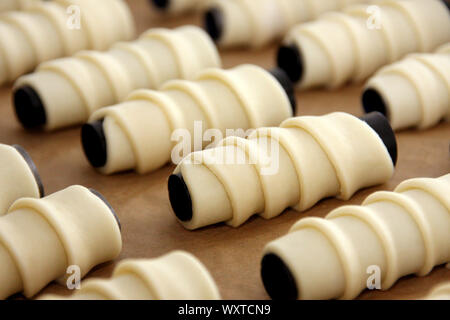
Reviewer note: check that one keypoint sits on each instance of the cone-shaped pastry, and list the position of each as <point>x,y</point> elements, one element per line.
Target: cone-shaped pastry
<point>351,45</point>
<point>256,23</point>
<point>305,160</point>
<point>414,92</point>
<point>45,31</point>
<point>174,276</point>
<point>66,92</point>
<point>41,238</point>
<point>401,233</point>
<point>137,134</point>
<point>176,7</point>
<point>441,292</point>
<point>13,5</point>
<point>18,176</point>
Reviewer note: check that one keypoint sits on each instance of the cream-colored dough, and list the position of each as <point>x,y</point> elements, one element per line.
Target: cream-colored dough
<point>42,33</point>
<point>177,7</point>
<point>138,131</point>
<point>258,22</point>
<point>174,276</point>
<point>401,232</point>
<point>12,5</point>
<point>73,88</point>
<point>319,157</point>
<point>41,238</point>
<point>340,47</point>
<point>441,292</point>
<point>16,177</point>
<point>416,90</point>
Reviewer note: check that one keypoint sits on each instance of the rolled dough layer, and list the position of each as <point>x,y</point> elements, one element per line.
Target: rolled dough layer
<point>138,132</point>
<point>305,160</point>
<point>258,22</point>
<point>176,7</point>
<point>14,5</point>
<point>42,32</point>
<point>351,45</point>
<point>414,92</point>
<point>441,292</point>
<point>18,176</point>
<point>41,238</point>
<point>399,233</point>
<point>67,91</point>
<point>174,276</point>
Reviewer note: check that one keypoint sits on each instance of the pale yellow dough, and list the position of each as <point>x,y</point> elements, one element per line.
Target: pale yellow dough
<point>256,23</point>
<point>73,88</point>
<point>13,5</point>
<point>177,7</point>
<point>174,276</point>
<point>401,232</point>
<point>138,131</point>
<point>348,46</point>
<point>16,177</point>
<point>319,157</point>
<point>41,33</point>
<point>440,292</point>
<point>416,90</point>
<point>41,238</point>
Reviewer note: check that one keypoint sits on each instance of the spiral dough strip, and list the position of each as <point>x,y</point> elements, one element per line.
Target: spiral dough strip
<point>138,132</point>
<point>174,276</point>
<point>399,233</point>
<point>258,22</point>
<point>41,238</point>
<point>414,92</point>
<point>312,158</point>
<point>14,5</point>
<point>441,292</point>
<point>66,92</point>
<point>18,176</point>
<point>353,44</point>
<point>43,32</point>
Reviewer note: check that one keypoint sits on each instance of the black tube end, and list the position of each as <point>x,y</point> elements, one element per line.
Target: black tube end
<point>372,101</point>
<point>289,58</point>
<point>278,279</point>
<point>214,23</point>
<point>380,124</point>
<point>30,110</point>
<point>101,197</point>
<point>180,197</point>
<point>94,143</point>
<point>447,3</point>
<point>287,85</point>
<point>161,4</point>
<point>33,168</point>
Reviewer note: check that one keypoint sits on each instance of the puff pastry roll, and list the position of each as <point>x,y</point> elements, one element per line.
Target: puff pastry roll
<point>353,44</point>
<point>14,5</point>
<point>138,133</point>
<point>441,292</point>
<point>18,176</point>
<point>399,233</point>
<point>41,238</point>
<point>305,160</point>
<point>175,7</point>
<point>255,23</point>
<point>414,92</point>
<point>47,31</point>
<point>67,91</point>
<point>174,276</point>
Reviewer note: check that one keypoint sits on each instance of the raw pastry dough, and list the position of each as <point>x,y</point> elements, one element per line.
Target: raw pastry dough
<point>67,91</point>
<point>174,276</point>
<point>441,292</point>
<point>400,232</point>
<point>18,176</point>
<point>414,92</point>
<point>258,22</point>
<point>178,6</point>
<point>352,45</point>
<point>42,32</point>
<point>12,5</point>
<point>41,238</point>
<point>318,157</point>
<point>136,134</point>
